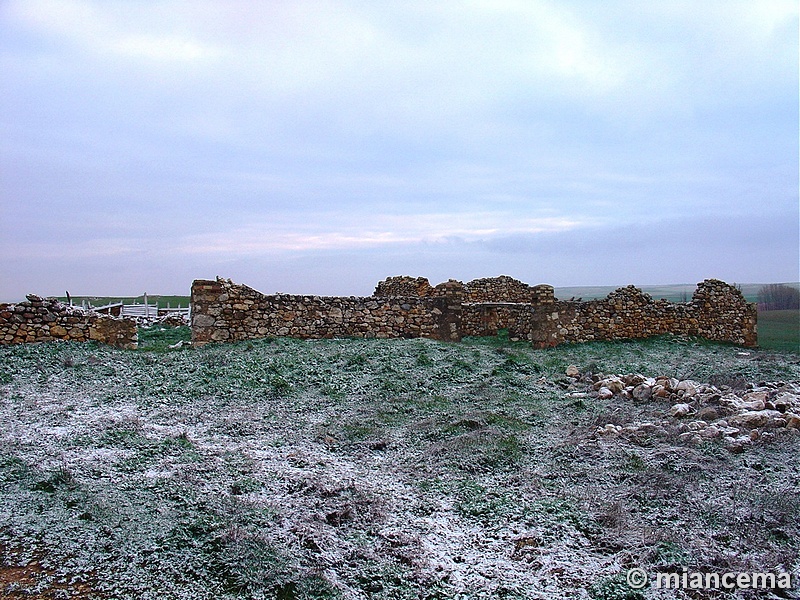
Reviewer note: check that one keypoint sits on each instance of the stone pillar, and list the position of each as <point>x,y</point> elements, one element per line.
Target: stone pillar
<point>205,298</point>
<point>449,297</point>
<point>542,294</point>
<point>489,320</point>
<point>544,325</point>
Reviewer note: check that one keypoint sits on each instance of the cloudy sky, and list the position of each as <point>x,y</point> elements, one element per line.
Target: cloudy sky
<point>317,147</point>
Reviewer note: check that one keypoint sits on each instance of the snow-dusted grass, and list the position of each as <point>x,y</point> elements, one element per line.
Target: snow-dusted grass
<point>372,469</point>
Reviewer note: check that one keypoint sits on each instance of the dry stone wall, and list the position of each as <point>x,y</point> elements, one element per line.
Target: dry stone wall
<point>717,311</point>
<point>490,289</point>
<point>46,319</point>
<point>507,289</point>
<point>411,307</point>
<point>403,286</point>
<point>223,311</point>
<point>418,287</point>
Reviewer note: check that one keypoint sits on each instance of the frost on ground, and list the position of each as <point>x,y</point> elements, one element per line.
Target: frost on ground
<point>381,469</point>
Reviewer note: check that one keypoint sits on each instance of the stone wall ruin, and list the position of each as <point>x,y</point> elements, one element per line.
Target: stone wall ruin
<point>223,311</point>
<point>410,307</point>
<point>717,312</point>
<point>47,319</point>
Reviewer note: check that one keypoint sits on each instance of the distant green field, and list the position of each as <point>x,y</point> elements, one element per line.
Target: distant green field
<point>779,330</point>
<point>678,292</point>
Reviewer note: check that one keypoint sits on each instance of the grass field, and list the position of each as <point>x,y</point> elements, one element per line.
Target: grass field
<point>386,469</point>
<point>779,330</point>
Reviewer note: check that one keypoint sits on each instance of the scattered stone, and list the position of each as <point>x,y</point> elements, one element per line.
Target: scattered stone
<point>668,383</point>
<point>739,444</point>
<point>609,429</point>
<point>660,391</point>
<point>708,414</point>
<point>759,396</point>
<point>604,393</point>
<point>687,387</point>
<point>572,371</point>
<point>680,410</point>
<point>739,418</point>
<point>642,392</point>
<point>634,379</point>
<point>751,405</point>
<point>786,402</point>
<point>755,418</point>
<point>690,438</point>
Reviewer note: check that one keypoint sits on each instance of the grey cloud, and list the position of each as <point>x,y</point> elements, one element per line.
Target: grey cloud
<point>135,128</point>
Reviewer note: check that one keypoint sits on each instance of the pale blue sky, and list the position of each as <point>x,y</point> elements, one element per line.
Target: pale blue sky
<point>317,147</point>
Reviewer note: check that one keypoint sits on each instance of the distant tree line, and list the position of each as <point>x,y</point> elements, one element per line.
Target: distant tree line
<point>777,296</point>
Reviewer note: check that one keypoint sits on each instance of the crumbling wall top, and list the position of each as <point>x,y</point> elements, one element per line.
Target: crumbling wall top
<point>403,285</point>
<point>488,289</point>
<point>716,292</point>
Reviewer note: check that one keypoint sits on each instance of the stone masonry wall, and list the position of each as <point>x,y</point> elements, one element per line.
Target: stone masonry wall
<point>717,311</point>
<point>46,319</point>
<point>223,311</point>
<point>490,289</point>
<point>411,307</point>
<point>403,285</point>
<point>506,289</point>
<point>417,287</point>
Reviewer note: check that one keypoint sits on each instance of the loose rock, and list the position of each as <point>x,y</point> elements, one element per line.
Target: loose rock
<point>680,410</point>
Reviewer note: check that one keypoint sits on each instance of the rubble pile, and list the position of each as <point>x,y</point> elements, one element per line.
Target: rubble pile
<point>697,412</point>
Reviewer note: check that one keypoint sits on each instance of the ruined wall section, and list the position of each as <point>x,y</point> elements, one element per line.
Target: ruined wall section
<point>507,289</point>
<point>403,285</point>
<point>223,311</point>
<point>490,289</point>
<point>486,318</point>
<point>626,313</point>
<point>723,314</point>
<point>46,319</point>
<point>718,312</point>
<point>531,322</point>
